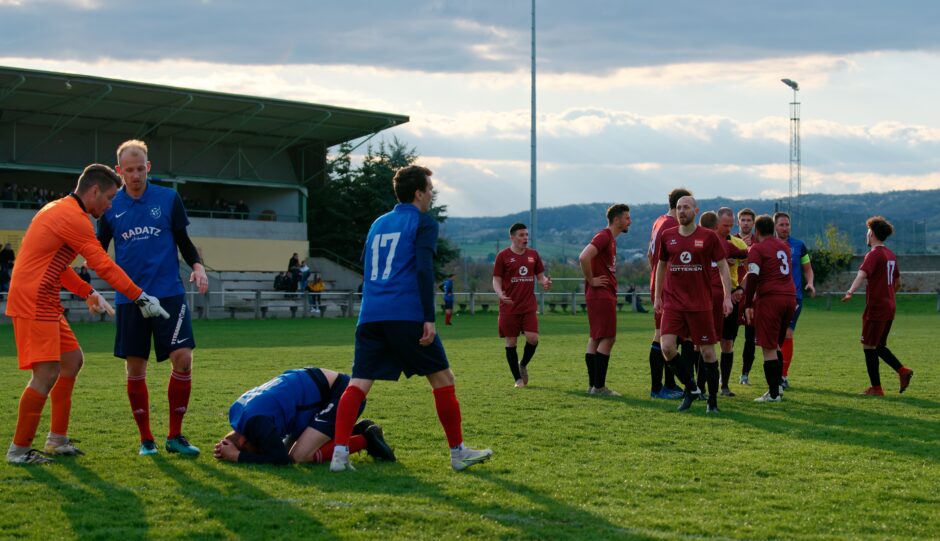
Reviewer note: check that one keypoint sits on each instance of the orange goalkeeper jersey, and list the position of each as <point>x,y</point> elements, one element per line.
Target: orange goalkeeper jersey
<point>58,232</point>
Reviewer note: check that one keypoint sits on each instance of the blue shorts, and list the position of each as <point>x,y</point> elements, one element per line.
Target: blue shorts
<point>134,331</point>
<point>325,420</point>
<point>448,303</point>
<point>796,314</point>
<point>386,349</point>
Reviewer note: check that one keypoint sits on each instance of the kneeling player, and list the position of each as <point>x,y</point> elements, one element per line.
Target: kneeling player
<point>769,300</point>
<point>299,406</point>
<point>880,268</point>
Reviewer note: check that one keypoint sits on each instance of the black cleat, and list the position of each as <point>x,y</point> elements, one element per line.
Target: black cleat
<point>687,400</point>
<point>361,427</point>
<point>375,444</point>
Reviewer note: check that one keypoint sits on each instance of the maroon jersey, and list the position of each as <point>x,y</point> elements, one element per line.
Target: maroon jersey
<point>713,272</point>
<point>770,263</point>
<point>661,224</point>
<point>603,264</point>
<point>881,266</point>
<point>742,269</point>
<point>518,273</point>
<point>688,266</point>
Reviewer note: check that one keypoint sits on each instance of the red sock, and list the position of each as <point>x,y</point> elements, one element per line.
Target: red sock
<point>346,414</point>
<point>139,398</point>
<point>61,397</point>
<point>447,318</point>
<point>31,405</point>
<point>325,454</point>
<point>448,411</point>
<point>787,350</point>
<point>178,391</point>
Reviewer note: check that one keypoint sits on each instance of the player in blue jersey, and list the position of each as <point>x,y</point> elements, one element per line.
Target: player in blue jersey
<point>148,226</point>
<point>447,287</point>
<point>802,279</point>
<point>396,332</point>
<point>291,419</point>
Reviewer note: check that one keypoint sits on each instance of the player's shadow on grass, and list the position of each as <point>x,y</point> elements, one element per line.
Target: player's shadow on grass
<point>893,396</point>
<point>117,511</point>
<point>545,518</point>
<point>828,423</point>
<point>242,508</point>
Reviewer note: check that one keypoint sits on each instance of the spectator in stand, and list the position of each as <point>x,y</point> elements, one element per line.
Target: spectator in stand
<point>7,257</point>
<point>83,272</point>
<point>8,195</point>
<point>242,209</point>
<point>281,281</point>
<point>315,289</point>
<point>304,275</point>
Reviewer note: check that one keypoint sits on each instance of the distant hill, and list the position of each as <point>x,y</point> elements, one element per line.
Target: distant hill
<point>563,231</point>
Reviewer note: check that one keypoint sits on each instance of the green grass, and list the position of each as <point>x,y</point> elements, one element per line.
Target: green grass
<point>824,464</point>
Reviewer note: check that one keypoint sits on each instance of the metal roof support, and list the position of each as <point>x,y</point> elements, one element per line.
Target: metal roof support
<point>13,88</point>
<point>287,145</point>
<point>56,129</point>
<point>145,132</point>
<point>258,108</point>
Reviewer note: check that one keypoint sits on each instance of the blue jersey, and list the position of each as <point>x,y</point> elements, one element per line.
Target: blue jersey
<point>396,242</point>
<point>290,401</point>
<point>144,246</point>
<point>800,256</point>
<point>448,288</point>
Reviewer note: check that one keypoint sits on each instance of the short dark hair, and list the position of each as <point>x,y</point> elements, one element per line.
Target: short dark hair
<point>616,210</point>
<point>781,214</point>
<point>516,227</point>
<point>676,195</point>
<point>746,212</point>
<point>408,180</point>
<point>708,220</point>
<point>98,175</point>
<point>764,225</point>
<point>880,227</point>
<point>725,211</point>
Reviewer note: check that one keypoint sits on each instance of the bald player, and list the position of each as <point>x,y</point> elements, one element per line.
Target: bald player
<point>685,297</point>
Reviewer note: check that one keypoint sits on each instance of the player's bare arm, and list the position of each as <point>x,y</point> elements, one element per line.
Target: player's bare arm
<point>498,289</point>
<point>810,278</point>
<point>725,273</point>
<point>200,278</point>
<point>660,277</point>
<point>430,331</point>
<point>856,283</point>
<point>546,281</point>
<point>587,254</point>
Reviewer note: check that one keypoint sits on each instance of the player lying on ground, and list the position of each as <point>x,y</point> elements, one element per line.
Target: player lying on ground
<point>297,407</point>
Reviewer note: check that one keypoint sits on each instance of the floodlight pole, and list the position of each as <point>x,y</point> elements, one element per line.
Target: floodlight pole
<point>533,203</point>
<point>796,165</point>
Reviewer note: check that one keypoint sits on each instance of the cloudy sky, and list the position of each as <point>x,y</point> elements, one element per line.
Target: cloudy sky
<point>634,98</point>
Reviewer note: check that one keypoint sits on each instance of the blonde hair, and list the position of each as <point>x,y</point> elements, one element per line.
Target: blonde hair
<point>131,143</point>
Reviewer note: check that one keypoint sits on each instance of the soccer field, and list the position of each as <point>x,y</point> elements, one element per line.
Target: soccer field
<point>824,464</point>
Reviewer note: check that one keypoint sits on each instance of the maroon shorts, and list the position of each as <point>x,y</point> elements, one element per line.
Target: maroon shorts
<point>772,316</point>
<point>875,333</point>
<point>602,317</point>
<point>696,326</point>
<point>718,312</point>
<point>515,324</point>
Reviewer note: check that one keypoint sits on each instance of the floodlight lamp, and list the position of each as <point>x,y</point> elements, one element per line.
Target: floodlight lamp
<point>791,83</point>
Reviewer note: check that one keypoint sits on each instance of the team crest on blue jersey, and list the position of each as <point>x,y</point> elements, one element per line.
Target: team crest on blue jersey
<point>155,213</point>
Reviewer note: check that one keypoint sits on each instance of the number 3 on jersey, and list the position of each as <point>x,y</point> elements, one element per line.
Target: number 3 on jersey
<point>378,242</point>
<point>784,264</point>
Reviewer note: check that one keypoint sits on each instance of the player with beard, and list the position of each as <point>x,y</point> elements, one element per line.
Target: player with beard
<point>598,264</point>
<point>802,273</point>
<point>746,219</point>
<point>514,274</point>
<point>685,300</point>
<point>769,300</point>
<point>880,268</point>
<point>737,259</point>
<point>657,373</point>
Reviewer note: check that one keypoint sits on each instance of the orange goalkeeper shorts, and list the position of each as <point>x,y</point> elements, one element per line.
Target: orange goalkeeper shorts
<point>42,341</point>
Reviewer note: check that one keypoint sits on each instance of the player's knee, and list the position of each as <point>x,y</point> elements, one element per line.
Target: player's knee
<point>532,339</point>
<point>182,360</point>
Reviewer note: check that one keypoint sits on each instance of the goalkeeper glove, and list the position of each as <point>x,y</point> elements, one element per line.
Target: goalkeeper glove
<point>150,306</point>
